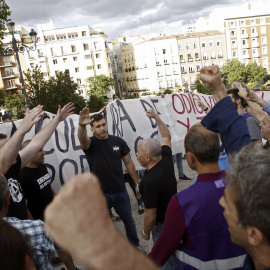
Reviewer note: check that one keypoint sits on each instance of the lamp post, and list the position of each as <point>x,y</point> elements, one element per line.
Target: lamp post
<point>15,47</point>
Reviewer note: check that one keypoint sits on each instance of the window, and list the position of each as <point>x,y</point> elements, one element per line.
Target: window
<point>180,47</point>
<point>61,37</point>
<point>188,46</point>
<point>54,61</point>
<point>234,53</point>
<point>99,66</point>
<point>56,72</point>
<point>233,43</point>
<point>244,52</point>
<point>64,60</point>
<point>73,35</point>
<point>262,20</point>
<point>232,24</point>
<point>195,45</point>
<point>64,50</point>
<point>97,55</point>
<point>253,30</point>
<point>75,58</point>
<point>263,40</point>
<point>89,67</point>
<point>85,46</point>
<point>107,54</point>
<point>79,81</point>
<point>84,33</point>
<point>205,56</point>
<point>252,21</point>
<point>263,29</point>
<point>52,52</point>
<point>206,64</point>
<point>164,51</point>
<point>265,61</point>
<point>211,44</point>
<point>256,60</point>
<point>109,65</point>
<point>233,33</point>
<point>203,45</point>
<point>218,43</point>
<point>73,48</point>
<point>264,50</point>
<point>198,67</point>
<point>77,69</point>
<point>190,68</point>
<point>87,56</point>
<point>244,41</point>
<point>242,23</point>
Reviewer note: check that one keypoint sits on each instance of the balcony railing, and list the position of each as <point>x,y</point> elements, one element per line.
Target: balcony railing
<point>220,56</point>
<point>8,75</point>
<point>190,59</point>
<point>255,45</point>
<point>244,36</point>
<point>182,61</point>
<point>256,55</point>
<point>246,46</point>
<point>254,34</point>
<point>213,57</point>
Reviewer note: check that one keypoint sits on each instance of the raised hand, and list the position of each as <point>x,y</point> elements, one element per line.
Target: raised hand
<point>201,104</point>
<point>151,113</point>
<point>84,117</point>
<point>212,79</point>
<point>31,118</point>
<point>64,112</point>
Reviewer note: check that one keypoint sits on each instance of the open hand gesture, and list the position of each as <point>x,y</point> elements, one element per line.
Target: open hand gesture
<point>31,118</point>
<point>67,110</point>
<point>84,117</point>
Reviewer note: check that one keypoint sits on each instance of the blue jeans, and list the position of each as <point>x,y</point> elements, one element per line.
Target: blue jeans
<point>121,204</point>
<point>128,179</point>
<point>171,263</point>
<point>178,159</point>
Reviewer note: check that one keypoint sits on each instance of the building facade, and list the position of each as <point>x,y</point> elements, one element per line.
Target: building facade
<point>81,50</point>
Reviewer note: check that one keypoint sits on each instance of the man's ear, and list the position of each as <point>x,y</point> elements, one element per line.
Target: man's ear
<point>238,101</point>
<point>191,157</point>
<point>255,236</point>
<point>92,130</point>
<point>7,199</point>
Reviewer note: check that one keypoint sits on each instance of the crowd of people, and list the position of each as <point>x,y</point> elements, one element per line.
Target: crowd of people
<point>222,221</point>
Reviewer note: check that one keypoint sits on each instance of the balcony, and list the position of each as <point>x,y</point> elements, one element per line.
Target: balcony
<point>12,87</point>
<point>197,59</point>
<point>255,45</point>
<point>246,56</point>
<point>126,70</point>
<point>133,68</point>
<point>182,61</point>
<point>176,73</point>
<point>254,35</point>
<point>8,75</point>
<point>205,58</point>
<point>158,64</point>
<point>256,55</point>
<point>213,57</point>
<point>244,36</point>
<point>6,64</point>
<point>184,72</point>
<point>246,46</point>
<point>127,79</point>
<point>220,56</point>
<point>190,59</point>
<point>191,71</point>
<point>129,69</point>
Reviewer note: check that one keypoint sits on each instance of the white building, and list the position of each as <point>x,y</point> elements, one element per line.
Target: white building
<point>82,50</point>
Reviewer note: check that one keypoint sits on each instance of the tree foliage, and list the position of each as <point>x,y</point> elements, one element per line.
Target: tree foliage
<point>95,103</point>
<point>234,70</point>
<point>2,96</point>
<point>4,14</point>
<point>201,88</point>
<point>15,104</point>
<point>99,85</point>
<point>56,91</point>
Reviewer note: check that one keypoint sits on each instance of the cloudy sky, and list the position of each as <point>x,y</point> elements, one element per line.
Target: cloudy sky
<point>117,17</point>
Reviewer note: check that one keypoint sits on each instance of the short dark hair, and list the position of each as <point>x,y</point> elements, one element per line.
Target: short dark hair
<point>203,143</point>
<point>3,136</point>
<point>3,190</point>
<point>248,175</point>
<point>14,247</point>
<point>97,117</point>
<point>235,95</point>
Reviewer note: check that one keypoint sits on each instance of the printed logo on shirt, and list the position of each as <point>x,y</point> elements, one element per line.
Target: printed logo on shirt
<point>116,148</point>
<point>44,181</point>
<point>15,190</point>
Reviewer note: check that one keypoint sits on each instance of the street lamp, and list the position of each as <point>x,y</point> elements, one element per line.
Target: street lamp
<point>16,46</point>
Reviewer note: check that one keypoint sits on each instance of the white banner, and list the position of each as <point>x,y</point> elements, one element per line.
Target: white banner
<point>126,119</point>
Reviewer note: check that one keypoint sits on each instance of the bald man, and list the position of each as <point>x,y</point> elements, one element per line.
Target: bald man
<point>158,184</point>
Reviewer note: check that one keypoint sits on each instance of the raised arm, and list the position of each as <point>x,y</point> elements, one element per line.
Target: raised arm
<point>79,203</point>
<point>40,139</point>
<point>10,149</point>
<point>164,131</point>
<point>84,120</point>
<point>223,118</point>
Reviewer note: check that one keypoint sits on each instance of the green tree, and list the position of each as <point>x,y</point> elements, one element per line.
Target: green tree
<point>4,14</point>
<point>233,70</point>
<point>95,103</point>
<point>255,73</point>
<point>15,105</point>
<point>99,85</point>
<point>201,88</point>
<point>56,91</point>
<point>2,96</point>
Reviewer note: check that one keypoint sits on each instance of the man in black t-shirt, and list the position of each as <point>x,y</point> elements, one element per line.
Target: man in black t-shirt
<point>9,155</point>
<point>105,154</point>
<point>158,184</point>
<point>36,184</point>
